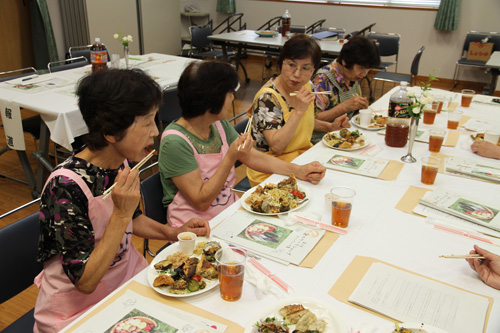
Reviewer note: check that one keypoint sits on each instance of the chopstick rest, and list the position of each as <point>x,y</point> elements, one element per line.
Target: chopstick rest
<point>107,193</point>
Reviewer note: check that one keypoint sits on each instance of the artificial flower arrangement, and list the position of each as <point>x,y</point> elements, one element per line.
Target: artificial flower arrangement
<point>418,103</point>
<point>124,40</point>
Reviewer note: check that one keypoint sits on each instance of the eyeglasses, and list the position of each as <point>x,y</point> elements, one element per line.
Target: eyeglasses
<point>292,67</point>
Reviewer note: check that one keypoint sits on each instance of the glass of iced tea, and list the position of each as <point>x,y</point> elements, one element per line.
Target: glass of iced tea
<point>454,119</point>
<point>440,102</point>
<point>342,198</point>
<point>231,269</point>
<point>430,167</point>
<point>436,138</point>
<point>430,111</point>
<point>467,95</point>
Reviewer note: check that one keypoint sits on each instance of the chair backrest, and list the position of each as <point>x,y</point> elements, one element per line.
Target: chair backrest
<point>199,36</point>
<point>57,66</point>
<point>270,23</point>
<point>82,51</point>
<point>152,195</point>
<point>313,27</point>
<point>388,43</point>
<point>416,62</point>
<point>170,109</point>
<point>17,73</point>
<point>475,36</point>
<point>18,253</point>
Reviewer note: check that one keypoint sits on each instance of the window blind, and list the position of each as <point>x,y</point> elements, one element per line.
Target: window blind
<point>409,3</point>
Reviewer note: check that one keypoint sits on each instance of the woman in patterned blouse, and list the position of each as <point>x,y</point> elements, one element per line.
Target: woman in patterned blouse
<point>85,240</point>
<point>342,78</point>
<point>283,109</point>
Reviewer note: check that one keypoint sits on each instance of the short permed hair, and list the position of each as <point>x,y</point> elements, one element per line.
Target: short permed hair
<point>203,87</point>
<point>360,51</point>
<point>111,99</point>
<point>300,46</point>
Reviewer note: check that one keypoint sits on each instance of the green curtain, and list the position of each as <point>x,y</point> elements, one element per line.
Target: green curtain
<point>226,6</point>
<point>44,43</point>
<point>447,16</point>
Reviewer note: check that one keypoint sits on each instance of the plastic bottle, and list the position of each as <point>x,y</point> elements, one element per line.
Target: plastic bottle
<point>98,56</point>
<point>286,20</point>
<point>398,123</point>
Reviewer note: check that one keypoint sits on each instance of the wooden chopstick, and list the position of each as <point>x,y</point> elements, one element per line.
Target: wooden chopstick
<point>314,92</point>
<point>107,193</point>
<point>248,129</point>
<point>463,256</point>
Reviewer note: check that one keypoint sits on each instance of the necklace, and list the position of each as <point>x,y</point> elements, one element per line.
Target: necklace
<point>204,137</point>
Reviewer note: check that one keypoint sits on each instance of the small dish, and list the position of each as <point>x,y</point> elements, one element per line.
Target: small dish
<point>266,33</point>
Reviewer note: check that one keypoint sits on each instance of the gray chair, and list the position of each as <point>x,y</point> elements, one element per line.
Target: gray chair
<point>395,77</point>
<point>62,65</point>
<point>388,46</point>
<point>18,254</point>
<point>31,125</point>
<point>152,195</point>
<point>170,109</point>
<point>201,46</point>
<point>474,36</point>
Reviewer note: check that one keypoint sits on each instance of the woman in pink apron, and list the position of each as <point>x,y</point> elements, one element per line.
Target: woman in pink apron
<point>199,150</point>
<point>86,240</point>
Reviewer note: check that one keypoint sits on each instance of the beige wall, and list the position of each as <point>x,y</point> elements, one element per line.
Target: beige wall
<point>415,26</point>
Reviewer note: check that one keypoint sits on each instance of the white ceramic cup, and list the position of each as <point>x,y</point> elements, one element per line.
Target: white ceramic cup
<point>492,136</point>
<point>187,241</point>
<point>115,61</point>
<point>365,117</point>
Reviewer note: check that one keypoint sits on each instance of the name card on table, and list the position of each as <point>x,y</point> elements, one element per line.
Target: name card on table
<point>13,126</point>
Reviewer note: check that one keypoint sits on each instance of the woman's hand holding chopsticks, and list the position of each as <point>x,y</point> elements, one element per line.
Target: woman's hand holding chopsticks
<point>488,268</point>
<point>126,193</point>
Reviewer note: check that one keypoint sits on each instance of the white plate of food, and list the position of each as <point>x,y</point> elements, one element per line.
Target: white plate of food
<point>377,122</point>
<point>413,328</point>
<point>175,280</point>
<point>310,313</point>
<point>274,199</point>
<point>345,140</point>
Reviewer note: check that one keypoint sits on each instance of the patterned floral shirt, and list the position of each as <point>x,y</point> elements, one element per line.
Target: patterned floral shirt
<point>267,114</point>
<point>65,227</point>
<point>322,83</point>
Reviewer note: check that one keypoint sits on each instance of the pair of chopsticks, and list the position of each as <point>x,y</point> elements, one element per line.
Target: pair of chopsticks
<point>107,193</point>
<point>279,282</point>
<point>318,224</point>
<point>463,256</point>
<point>314,92</point>
<point>248,129</point>
<point>465,234</point>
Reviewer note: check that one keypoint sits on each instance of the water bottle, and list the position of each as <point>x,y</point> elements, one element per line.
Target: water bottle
<point>398,123</point>
<point>285,23</point>
<point>98,56</point>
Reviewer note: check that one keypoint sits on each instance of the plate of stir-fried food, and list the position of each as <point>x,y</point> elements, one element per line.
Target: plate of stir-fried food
<point>297,315</point>
<point>345,140</point>
<point>176,274</point>
<point>272,199</point>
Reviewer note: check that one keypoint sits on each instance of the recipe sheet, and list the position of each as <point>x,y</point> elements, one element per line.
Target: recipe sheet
<point>353,163</point>
<point>472,169</point>
<point>132,309</point>
<point>269,236</point>
<point>408,297</point>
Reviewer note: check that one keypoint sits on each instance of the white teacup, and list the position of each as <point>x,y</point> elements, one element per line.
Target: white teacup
<point>365,117</point>
<point>187,241</point>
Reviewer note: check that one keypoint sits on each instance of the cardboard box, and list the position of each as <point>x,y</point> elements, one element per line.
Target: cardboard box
<point>479,51</point>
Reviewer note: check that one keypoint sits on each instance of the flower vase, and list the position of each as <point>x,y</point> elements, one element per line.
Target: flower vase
<point>125,50</point>
<point>408,158</point>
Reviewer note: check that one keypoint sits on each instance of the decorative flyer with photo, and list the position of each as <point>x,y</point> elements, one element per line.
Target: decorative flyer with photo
<point>353,163</point>
<point>269,236</point>
<point>472,169</point>
<point>474,210</point>
<point>132,312</point>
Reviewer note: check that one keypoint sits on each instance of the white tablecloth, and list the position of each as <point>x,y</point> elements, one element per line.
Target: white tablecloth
<point>376,230</point>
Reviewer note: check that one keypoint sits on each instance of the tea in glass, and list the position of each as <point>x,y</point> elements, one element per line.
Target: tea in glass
<point>342,198</point>
<point>467,96</point>
<point>429,116</point>
<point>231,269</point>
<point>430,167</point>
<point>436,138</point>
<point>454,118</point>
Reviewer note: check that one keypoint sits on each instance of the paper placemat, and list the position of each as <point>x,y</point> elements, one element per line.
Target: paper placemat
<point>451,139</point>
<point>170,301</point>
<point>392,170</point>
<point>463,120</point>
<point>410,199</point>
<point>440,157</point>
<point>354,273</point>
